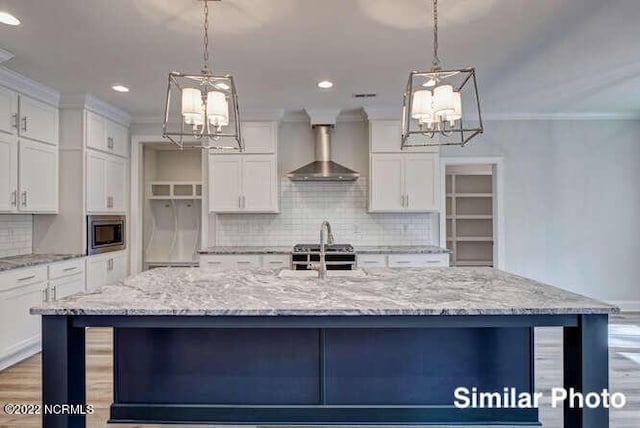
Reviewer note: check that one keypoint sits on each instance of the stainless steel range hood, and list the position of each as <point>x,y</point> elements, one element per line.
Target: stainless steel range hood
<point>323,168</point>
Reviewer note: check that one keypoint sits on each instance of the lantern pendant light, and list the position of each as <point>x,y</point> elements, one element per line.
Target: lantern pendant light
<point>208,105</point>
<point>440,107</point>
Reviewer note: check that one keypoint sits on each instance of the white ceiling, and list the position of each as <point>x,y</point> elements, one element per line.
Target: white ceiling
<point>532,56</point>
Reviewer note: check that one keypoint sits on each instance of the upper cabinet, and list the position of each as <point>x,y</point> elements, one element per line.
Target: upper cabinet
<point>243,184</point>
<point>401,180</point>
<point>106,183</point>
<point>106,135</point>
<point>38,121</point>
<point>385,136</point>
<point>404,183</point>
<point>260,137</point>
<point>28,154</point>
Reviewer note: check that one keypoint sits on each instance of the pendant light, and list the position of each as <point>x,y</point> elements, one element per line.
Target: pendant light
<point>440,107</point>
<point>208,106</point>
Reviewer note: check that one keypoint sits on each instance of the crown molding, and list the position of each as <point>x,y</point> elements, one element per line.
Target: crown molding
<point>5,55</point>
<point>301,116</point>
<point>24,85</point>
<point>562,116</point>
<point>96,105</point>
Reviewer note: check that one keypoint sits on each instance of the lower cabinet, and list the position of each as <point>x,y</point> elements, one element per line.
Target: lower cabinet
<point>244,261</point>
<point>402,260</point>
<point>105,269</point>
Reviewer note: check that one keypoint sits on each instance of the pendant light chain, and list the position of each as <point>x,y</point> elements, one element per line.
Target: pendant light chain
<point>436,59</point>
<point>206,36</point>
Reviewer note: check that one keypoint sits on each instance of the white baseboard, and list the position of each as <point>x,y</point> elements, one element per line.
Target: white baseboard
<point>626,305</point>
<point>23,354</point>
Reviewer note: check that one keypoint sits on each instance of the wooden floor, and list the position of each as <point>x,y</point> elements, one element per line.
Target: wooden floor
<point>21,383</point>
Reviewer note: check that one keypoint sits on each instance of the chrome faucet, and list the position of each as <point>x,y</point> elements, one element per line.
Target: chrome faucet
<point>322,266</point>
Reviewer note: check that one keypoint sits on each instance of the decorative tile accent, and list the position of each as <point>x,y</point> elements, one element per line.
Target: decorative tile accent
<point>303,207</point>
<point>16,234</point>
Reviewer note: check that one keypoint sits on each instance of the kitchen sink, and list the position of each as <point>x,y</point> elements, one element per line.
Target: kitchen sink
<point>288,273</point>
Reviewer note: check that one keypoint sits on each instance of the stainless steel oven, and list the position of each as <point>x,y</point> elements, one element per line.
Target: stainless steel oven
<point>105,233</point>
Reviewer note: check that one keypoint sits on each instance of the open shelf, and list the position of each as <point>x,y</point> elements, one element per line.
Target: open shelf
<point>168,190</point>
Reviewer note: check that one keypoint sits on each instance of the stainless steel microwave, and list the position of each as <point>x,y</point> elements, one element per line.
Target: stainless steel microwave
<point>105,233</point>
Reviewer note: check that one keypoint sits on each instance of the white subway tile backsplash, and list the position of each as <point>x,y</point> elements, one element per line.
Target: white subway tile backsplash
<point>303,206</point>
<point>16,234</point>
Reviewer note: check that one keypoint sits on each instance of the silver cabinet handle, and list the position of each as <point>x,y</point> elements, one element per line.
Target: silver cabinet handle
<point>14,198</point>
<point>407,199</point>
<point>45,294</point>
<point>16,121</point>
<point>24,198</point>
<point>26,278</point>
<point>110,264</point>
<point>110,144</point>
<point>239,201</point>
<point>403,262</point>
<point>69,269</point>
<point>273,262</point>
<point>243,262</point>
<point>402,200</point>
<point>24,124</point>
<point>54,293</point>
<point>433,262</point>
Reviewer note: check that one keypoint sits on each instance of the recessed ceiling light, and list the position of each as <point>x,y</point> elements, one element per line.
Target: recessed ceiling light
<point>7,18</point>
<point>222,86</point>
<point>120,88</point>
<point>325,84</point>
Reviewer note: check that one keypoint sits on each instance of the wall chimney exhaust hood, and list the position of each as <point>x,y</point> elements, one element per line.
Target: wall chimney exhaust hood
<point>323,168</point>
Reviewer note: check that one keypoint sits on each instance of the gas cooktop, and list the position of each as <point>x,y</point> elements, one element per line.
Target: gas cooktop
<point>315,248</point>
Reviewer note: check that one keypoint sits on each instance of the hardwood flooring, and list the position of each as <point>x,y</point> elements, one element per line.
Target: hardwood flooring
<point>21,383</point>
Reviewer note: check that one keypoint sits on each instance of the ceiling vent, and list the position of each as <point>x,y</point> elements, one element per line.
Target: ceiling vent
<point>365,95</point>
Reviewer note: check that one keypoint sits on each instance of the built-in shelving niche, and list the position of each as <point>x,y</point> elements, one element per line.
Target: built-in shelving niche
<point>173,206</point>
<point>469,205</point>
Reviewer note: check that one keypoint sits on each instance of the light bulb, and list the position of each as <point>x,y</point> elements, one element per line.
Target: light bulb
<point>421,106</point>
<point>443,100</point>
<point>192,106</point>
<point>217,109</point>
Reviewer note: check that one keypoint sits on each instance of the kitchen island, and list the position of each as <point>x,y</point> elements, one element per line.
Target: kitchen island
<point>388,347</point>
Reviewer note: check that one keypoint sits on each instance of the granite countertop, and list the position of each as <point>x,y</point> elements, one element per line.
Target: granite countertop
<point>248,250</point>
<point>260,292</point>
<point>16,262</point>
<point>400,249</point>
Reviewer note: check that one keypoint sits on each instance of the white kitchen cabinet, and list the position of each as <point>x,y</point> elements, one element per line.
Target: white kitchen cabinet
<point>38,177</point>
<point>65,287</point>
<point>385,136</point>
<point>106,183</point>
<point>8,111</point>
<point>106,135</point>
<point>38,121</point>
<point>243,184</point>
<point>404,182</point>
<point>8,173</point>
<point>418,260</point>
<point>260,137</point>
<point>20,289</point>
<point>105,269</point>
<point>219,262</point>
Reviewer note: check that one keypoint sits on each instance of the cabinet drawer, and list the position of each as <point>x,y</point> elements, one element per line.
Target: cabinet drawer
<point>65,287</point>
<point>236,261</point>
<point>62,269</point>
<point>22,277</point>
<point>276,261</point>
<point>418,260</point>
<point>372,260</point>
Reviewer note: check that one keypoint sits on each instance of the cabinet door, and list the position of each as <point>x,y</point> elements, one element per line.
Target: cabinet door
<point>421,182</point>
<point>386,183</point>
<point>260,137</point>
<point>117,268</point>
<point>225,183</point>
<point>8,111</point>
<point>38,177</point>
<point>385,136</point>
<point>96,271</point>
<point>96,131</point>
<point>259,184</point>
<point>65,287</point>
<point>96,182</point>
<point>18,328</point>
<point>117,139</point>
<point>38,121</point>
<point>8,173</point>
<point>117,184</point>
